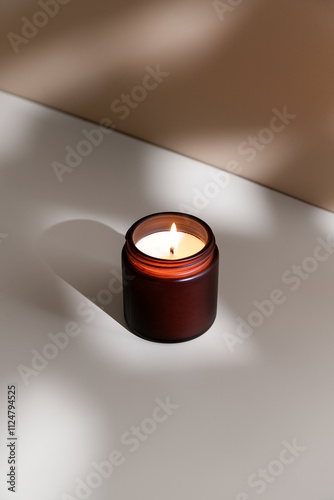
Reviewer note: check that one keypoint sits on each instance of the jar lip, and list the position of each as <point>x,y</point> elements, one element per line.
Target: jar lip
<point>199,224</point>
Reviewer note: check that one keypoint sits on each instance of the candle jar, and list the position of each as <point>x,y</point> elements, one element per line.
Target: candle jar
<point>170,300</point>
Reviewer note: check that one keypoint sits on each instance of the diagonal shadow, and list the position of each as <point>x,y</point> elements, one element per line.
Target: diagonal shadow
<point>86,254</point>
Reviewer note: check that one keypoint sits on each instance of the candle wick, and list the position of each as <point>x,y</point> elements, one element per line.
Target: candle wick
<point>172,250</point>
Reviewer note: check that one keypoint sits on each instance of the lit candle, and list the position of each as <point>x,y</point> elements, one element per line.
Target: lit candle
<point>170,245</point>
<point>170,275</point>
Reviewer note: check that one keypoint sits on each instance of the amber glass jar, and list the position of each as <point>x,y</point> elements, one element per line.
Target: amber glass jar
<point>170,300</point>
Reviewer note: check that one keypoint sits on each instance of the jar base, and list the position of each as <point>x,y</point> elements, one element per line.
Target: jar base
<point>167,341</point>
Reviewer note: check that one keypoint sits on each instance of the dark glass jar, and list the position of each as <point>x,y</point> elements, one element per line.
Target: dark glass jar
<point>170,300</point>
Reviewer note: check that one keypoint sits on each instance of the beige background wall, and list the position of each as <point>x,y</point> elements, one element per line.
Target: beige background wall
<point>225,66</point>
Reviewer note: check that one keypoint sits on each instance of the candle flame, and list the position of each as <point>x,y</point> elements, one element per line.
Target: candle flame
<point>173,232</point>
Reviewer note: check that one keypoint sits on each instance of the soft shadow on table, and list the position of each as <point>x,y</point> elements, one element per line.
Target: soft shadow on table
<point>87,255</point>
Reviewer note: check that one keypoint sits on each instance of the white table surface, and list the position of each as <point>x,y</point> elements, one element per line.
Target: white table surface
<point>60,242</point>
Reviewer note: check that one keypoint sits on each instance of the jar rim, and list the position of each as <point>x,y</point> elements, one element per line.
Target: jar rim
<point>175,267</point>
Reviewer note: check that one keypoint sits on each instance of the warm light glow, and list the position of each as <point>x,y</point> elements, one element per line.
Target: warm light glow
<point>170,245</point>
<point>173,232</point>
